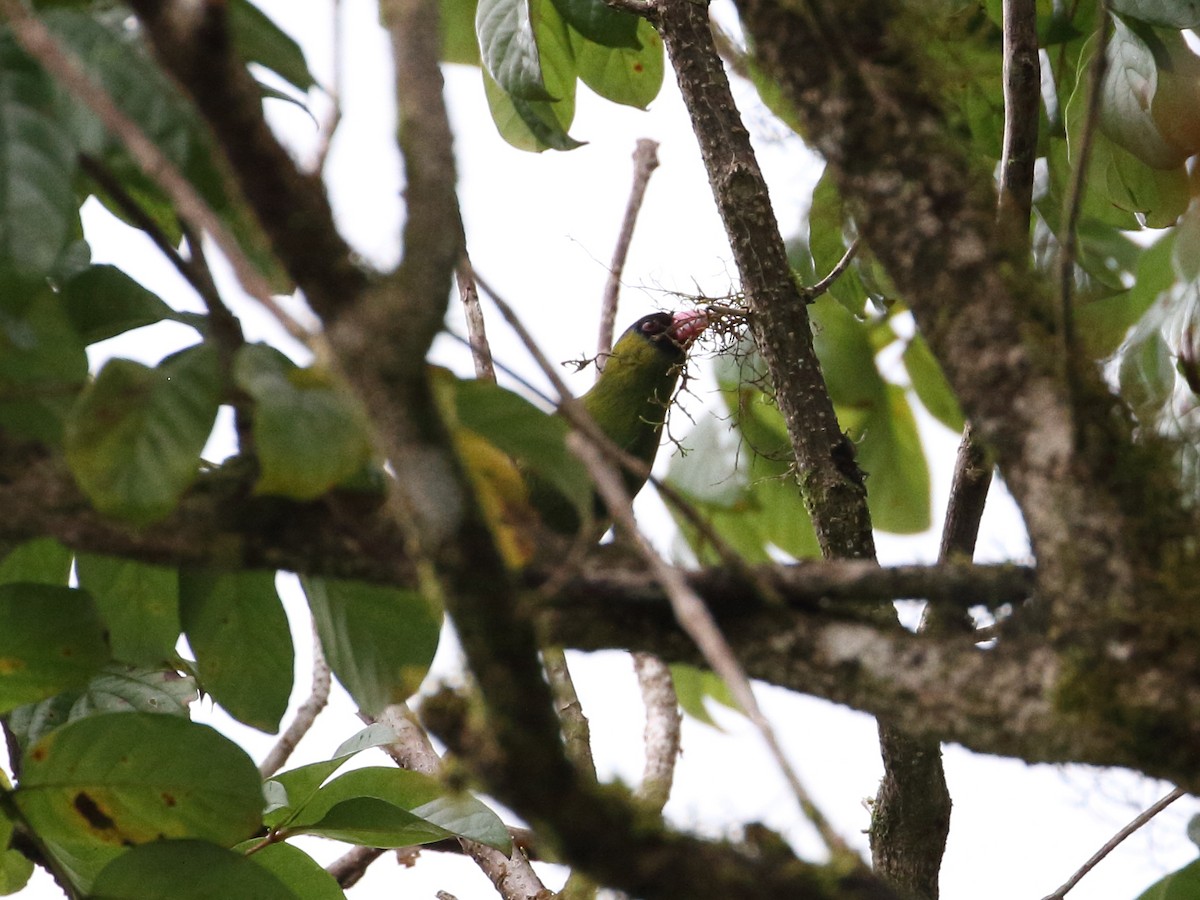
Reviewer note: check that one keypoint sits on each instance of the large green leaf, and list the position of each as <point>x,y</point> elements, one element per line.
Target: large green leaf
<point>37,167</point>
<point>1103,323</point>
<point>890,453</point>
<point>602,25</point>
<point>133,440</point>
<point>98,785</point>
<point>237,628</point>
<point>930,384</point>
<point>509,48</point>
<point>187,870</point>
<point>457,22</point>
<point>43,365</point>
<point>309,433</point>
<point>298,871</point>
<point>41,560</point>
<point>379,641</point>
<point>1182,884</point>
<point>1171,13</point>
<point>117,688</point>
<point>389,807</point>
<point>51,639</point>
<point>140,605</point>
<point>102,302</point>
<point>629,75</point>
<point>260,40</point>
<point>289,791</point>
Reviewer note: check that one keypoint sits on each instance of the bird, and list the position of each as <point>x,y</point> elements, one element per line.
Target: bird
<point>629,402</point>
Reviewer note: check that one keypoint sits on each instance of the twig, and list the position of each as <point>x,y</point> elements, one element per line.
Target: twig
<point>662,732</point>
<point>350,867</point>
<point>330,126</point>
<point>1112,843</point>
<point>514,878</point>
<point>645,161</point>
<point>477,340</point>
<point>1073,201</point>
<point>812,293</point>
<point>698,623</point>
<point>318,697</point>
<point>1022,96</point>
<point>67,68</point>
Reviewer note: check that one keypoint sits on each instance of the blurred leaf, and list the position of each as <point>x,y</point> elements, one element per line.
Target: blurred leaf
<point>117,688</point>
<point>1172,13</point>
<point>890,453</point>
<point>102,302</point>
<point>930,384</point>
<point>693,686</point>
<point>509,49</point>
<point>15,870</point>
<point>41,560</point>
<point>847,358</point>
<point>389,807</point>
<point>632,77</point>
<point>379,641</point>
<point>187,870</point>
<point>51,639</point>
<point>1103,324</point>
<point>602,25</point>
<point>1182,884</point>
<point>43,365</point>
<point>259,40</point>
<point>139,603</point>
<point>309,432</point>
<point>828,242</point>
<point>237,628</point>
<point>133,440</point>
<point>1147,376</point>
<point>531,125</point>
<point>37,167</point>
<point>98,785</point>
<point>296,870</point>
<point>457,22</point>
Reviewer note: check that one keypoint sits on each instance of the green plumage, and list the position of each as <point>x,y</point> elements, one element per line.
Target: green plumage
<point>629,402</point>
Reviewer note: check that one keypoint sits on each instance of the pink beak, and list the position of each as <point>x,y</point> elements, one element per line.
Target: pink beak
<point>688,325</point>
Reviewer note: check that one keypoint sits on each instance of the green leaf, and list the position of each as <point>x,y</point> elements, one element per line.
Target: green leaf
<point>693,686</point>
<point>117,688</point>
<point>260,40</point>
<point>1182,884</point>
<point>509,49</point>
<point>237,628</point>
<point>15,869</point>
<point>1171,13</point>
<point>890,453</point>
<point>379,641</point>
<point>828,239</point>
<point>43,365</point>
<point>297,871</point>
<point>1103,324</point>
<point>1147,376</point>
<point>291,790</point>
<point>51,639</point>
<point>309,433</point>
<point>41,560</point>
<point>187,870</point>
<point>102,302</point>
<point>389,807</point>
<point>457,22</point>
<point>37,167</point>
<point>632,76</point>
<point>532,125</point>
<point>930,384</point>
<point>847,357</point>
<point>134,438</point>
<point>602,25</point>
<point>140,605</point>
<point>518,428</point>
<point>98,785</point>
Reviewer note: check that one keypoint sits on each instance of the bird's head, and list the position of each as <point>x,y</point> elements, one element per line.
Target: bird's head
<point>671,333</point>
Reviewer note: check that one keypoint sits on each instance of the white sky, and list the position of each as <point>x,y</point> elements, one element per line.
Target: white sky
<point>540,229</point>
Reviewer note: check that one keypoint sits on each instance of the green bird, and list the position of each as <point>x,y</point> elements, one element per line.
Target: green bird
<point>629,402</point>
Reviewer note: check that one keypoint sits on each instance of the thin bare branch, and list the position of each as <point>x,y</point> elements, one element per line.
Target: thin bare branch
<point>661,735</point>
<point>305,716</point>
<point>330,126</point>
<point>696,620</point>
<point>468,293</point>
<point>1111,844</point>
<point>645,161</point>
<point>812,293</point>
